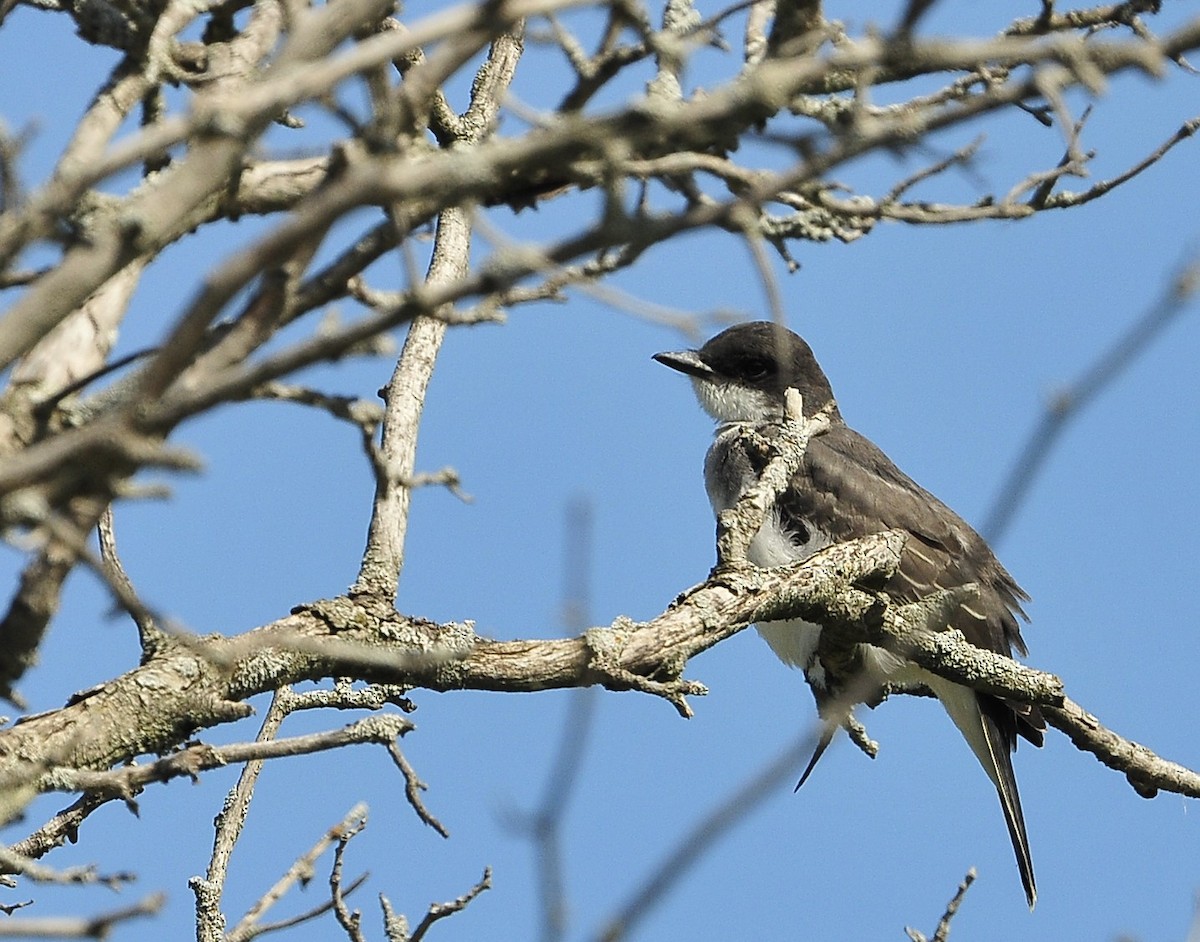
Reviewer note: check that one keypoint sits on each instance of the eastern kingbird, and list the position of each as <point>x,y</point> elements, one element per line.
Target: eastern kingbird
<point>847,488</point>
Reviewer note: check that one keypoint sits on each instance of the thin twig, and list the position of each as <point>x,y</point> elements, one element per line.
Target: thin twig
<point>126,782</point>
<point>61,828</point>
<point>413,786</point>
<point>11,862</point>
<point>301,871</point>
<point>307,916</point>
<point>942,933</point>
<point>442,910</point>
<point>351,922</point>
<point>118,579</point>
<point>694,845</point>
<point>543,826</point>
<point>1072,400</point>
<point>84,927</point>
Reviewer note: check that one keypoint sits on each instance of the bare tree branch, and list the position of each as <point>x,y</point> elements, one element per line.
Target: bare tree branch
<point>349,921</point>
<point>405,393</point>
<point>819,589</point>
<point>640,150</point>
<point>1070,401</point>
<point>86,927</point>
<point>300,872</point>
<point>943,929</point>
<point>127,782</point>
<point>442,910</point>
<point>693,846</point>
<point>544,825</point>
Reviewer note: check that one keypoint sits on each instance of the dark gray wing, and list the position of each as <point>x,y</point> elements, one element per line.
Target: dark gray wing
<point>854,489</point>
<point>847,481</point>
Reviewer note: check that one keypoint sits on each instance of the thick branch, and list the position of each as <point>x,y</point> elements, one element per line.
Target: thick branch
<point>201,684</point>
<point>509,171</point>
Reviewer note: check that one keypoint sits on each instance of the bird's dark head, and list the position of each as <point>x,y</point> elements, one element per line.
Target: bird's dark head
<point>741,374</point>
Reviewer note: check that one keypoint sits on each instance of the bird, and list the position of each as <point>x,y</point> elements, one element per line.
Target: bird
<point>847,488</point>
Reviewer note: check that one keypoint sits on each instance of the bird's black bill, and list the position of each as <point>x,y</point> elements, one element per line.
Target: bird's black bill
<point>685,361</point>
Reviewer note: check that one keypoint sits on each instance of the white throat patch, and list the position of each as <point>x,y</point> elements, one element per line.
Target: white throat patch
<point>729,402</point>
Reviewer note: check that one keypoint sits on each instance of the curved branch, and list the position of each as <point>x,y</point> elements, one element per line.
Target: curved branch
<point>202,682</point>
<point>1147,773</point>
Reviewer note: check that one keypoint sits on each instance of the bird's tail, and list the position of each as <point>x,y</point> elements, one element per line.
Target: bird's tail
<point>981,720</point>
<point>827,731</point>
<point>835,708</point>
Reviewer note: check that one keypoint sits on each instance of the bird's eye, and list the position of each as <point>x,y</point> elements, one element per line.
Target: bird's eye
<point>756,368</point>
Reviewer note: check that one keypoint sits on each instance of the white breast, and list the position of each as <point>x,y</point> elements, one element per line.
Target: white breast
<point>794,641</point>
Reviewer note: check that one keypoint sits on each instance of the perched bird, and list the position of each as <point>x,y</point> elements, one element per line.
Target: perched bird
<point>847,488</point>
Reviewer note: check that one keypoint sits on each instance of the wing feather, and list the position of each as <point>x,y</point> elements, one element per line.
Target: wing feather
<point>943,553</point>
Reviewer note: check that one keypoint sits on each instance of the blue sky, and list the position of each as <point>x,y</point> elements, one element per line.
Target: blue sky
<point>943,346</point>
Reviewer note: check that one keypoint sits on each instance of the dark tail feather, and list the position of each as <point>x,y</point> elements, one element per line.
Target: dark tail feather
<point>1001,746</point>
<point>827,731</point>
